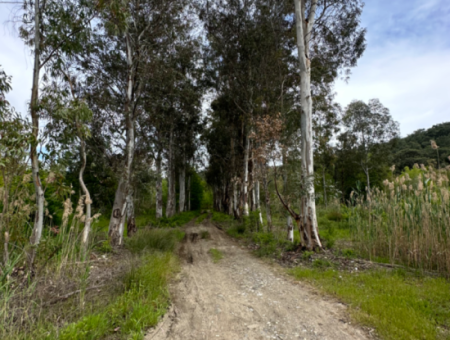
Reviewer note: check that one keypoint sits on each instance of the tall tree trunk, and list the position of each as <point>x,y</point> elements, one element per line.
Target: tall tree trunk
<point>182,202</point>
<point>258,202</point>
<point>366,170</point>
<point>245,181</point>
<point>131,220</point>
<point>87,200</point>
<point>117,221</point>
<point>235,199</point>
<point>289,225</point>
<point>267,199</point>
<point>34,107</point>
<point>170,208</point>
<point>303,29</point>
<point>159,202</point>
<point>189,195</point>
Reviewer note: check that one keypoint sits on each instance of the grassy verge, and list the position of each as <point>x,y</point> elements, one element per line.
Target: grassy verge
<point>399,305</point>
<point>132,293</point>
<point>144,300</point>
<point>216,255</point>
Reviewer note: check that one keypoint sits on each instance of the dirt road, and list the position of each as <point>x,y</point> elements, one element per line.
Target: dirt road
<point>241,297</point>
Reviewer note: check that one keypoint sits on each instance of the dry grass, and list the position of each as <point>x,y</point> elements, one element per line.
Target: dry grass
<point>408,221</point>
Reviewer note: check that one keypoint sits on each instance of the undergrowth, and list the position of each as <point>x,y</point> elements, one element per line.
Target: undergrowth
<point>398,304</point>
<point>144,300</point>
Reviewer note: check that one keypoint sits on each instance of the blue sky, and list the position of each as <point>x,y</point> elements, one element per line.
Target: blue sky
<point>406,64</point>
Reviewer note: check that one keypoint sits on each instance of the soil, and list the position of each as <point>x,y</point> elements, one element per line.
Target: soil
<point>243,297</point>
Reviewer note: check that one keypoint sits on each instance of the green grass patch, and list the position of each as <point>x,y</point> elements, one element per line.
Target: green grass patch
<point>399,305</point>
<point>221,217</point>
<point>144,300</point>
<point>216,255</point>
<point>154,239</point>
<point>201,218</point>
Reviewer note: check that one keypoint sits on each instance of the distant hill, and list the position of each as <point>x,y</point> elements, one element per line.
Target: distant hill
<point>416,148</point>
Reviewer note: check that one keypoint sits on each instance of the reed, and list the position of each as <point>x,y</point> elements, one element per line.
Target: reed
<point>407,221</point>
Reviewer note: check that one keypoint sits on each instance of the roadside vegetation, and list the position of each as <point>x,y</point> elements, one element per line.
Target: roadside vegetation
<point>385,256</point>
<point>108,292</point>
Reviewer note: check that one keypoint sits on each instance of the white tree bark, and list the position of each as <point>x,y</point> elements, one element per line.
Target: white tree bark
<point>182,180</point>
<point>290,229</point>
<point>303,29</point>
<point>159,202</point>
<point>87,200</point>
<point>39,191</point>
<point>245,182</point>
<point>258,202</point>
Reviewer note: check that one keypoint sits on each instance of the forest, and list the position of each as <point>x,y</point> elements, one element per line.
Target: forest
<point>146,117</point>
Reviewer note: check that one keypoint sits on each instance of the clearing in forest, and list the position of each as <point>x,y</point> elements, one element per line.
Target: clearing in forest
<point>241,297</point>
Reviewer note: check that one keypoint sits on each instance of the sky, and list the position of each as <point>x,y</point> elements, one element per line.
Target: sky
<point>406,63</point>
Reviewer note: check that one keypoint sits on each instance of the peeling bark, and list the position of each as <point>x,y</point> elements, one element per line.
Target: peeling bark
<point>303,30</point>
<point>131,220</point>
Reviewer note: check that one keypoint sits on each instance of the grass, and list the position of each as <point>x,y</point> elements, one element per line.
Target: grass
<point>201,218</point>
<point>399,305</point>
<point>154,239</point>
<point>124,309</point>
<point>216,255</point>
<point>144,301</point>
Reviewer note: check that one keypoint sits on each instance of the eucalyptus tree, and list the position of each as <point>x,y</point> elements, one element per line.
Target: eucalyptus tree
<point>250,62</point>
<point>129,36</point>
<point>369,129</point>
<point>328,37</point>
<point>69,117</point>
<point>51,28</point>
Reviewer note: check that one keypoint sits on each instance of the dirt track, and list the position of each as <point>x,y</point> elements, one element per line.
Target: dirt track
<point>241,297</point>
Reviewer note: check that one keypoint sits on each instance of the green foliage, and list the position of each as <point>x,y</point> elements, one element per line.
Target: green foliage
<point>321,264</point>
<point>307,255</point>
<point>398,305</point>
<point>201,218</point>
<point>416,147</point>
<point>348,253</point>
<point>197,190</point>
<point>216,255</point>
